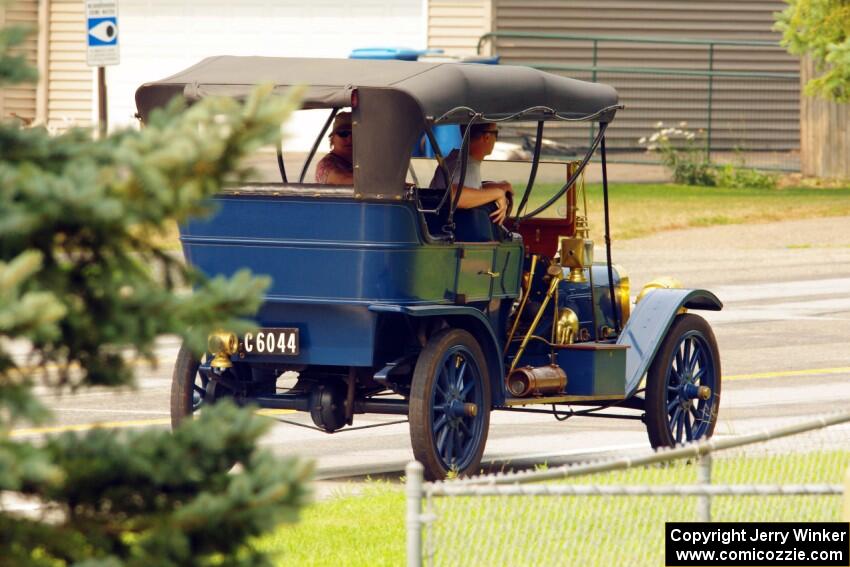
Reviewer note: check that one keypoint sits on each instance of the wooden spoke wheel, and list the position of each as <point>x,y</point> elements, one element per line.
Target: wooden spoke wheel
<point>450,405</point>
<point>683,384</point>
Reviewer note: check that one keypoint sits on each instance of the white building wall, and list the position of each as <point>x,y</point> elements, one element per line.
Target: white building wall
<point>455,26</point>
<point>161,37</point>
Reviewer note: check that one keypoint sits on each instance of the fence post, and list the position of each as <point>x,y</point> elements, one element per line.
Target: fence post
<point>414,478</point>
<point>710,100</point>
<point>846,497</point>
<point>704,479</point>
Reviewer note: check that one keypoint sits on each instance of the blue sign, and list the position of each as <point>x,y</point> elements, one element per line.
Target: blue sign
<point>103,31</point>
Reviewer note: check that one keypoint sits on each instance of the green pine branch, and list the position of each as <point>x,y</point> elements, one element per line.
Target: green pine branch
<point>85,288</point>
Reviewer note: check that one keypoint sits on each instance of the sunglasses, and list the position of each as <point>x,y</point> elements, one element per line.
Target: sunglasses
<point>343,133</point>
<point>495,133</point>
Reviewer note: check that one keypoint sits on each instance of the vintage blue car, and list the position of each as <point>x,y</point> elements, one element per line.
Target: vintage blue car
<point>389,299</point>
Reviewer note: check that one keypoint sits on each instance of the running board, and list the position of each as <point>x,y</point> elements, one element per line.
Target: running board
<point>601,400</point>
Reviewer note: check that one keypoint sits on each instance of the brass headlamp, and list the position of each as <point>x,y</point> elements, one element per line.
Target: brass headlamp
<point>664,282</point>
<point>567,327</point>
<point>222,345</point>
<point>624,290</point>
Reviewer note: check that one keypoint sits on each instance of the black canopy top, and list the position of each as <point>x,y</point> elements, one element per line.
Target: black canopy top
<point>396,100</point>
<point>446,92</point>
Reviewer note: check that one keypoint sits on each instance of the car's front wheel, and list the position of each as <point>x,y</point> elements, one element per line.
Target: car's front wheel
<point>683,384</point>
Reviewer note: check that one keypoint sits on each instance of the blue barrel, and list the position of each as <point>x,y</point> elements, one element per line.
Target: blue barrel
<point>448,138</point>
<point>482,59</point>
<point>398,53</point>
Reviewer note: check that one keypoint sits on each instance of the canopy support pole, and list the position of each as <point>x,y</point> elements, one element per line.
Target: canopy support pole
<point>615,313</point>
<point>316,145</point>
<point>441,161</point>
<point>280,164</point>
<point>441,164</point>
<point>573,177</point>
<point>464,160</point>
<point>533,175</point>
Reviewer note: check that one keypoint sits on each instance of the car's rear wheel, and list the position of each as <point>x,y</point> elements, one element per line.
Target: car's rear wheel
<point>683,384</point>
<point>190,389</point>
<point>449,409</point>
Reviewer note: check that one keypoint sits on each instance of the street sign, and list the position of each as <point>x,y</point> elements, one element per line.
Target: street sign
<point>102,32</point>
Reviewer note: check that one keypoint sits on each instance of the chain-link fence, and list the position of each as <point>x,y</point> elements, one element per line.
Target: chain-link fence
<point>613,511</point>
<point>740,99</point>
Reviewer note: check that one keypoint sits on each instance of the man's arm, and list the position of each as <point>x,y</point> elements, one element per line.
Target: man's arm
<point>472,197</point>
<point>503,185</point>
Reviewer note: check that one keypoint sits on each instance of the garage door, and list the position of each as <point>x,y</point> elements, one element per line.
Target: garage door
<point>160,37</point>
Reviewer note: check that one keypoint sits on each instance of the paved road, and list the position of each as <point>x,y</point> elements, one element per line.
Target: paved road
<point>783,337</point>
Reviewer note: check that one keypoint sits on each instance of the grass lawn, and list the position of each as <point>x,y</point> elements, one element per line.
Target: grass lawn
<point>365,529</point>
<point>641,210</point>
<point>368,529</point>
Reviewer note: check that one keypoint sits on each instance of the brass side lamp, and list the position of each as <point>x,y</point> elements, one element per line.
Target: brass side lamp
<point>222,345</point>
<point>577,251</point>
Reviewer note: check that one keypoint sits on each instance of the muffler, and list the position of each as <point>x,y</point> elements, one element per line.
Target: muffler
<point>538,381</point>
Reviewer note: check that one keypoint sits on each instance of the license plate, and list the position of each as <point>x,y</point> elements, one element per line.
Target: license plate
<point>272,341</point>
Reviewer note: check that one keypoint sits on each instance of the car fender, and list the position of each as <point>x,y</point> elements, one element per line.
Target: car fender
<point>470,319</point>
<point>649,323</point>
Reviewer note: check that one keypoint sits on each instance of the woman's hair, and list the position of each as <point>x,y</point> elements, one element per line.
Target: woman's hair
<point>343,118</point>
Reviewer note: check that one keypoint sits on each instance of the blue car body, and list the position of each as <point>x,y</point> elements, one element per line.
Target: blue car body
<point>389,298</point>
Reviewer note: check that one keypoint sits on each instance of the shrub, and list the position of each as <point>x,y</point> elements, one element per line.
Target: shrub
<point>739,177</point>
<point>681,153</point>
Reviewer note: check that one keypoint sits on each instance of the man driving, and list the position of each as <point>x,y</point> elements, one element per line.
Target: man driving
<point>482,139</point>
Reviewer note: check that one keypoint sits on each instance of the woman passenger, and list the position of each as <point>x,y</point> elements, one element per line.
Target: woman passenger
<point>336,167</point>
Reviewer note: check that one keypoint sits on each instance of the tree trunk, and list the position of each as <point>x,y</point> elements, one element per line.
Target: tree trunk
<point>824,132</point>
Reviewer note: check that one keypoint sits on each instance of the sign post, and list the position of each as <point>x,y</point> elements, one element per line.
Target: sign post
<point>102,41</point>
